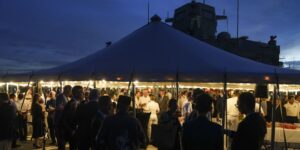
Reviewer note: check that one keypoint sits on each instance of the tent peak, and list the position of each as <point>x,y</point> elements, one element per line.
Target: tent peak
<point>155,18</point>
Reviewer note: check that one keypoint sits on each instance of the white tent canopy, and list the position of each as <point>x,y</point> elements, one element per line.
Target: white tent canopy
<point>158,52</point>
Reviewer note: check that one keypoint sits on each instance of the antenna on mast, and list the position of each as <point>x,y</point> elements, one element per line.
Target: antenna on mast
<point>237,18</point>
<point>237,22</point>
<point>224,14</point>
<point>148,7</point>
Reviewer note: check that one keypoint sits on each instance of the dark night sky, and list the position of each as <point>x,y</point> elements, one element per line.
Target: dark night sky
<point>37,34</point>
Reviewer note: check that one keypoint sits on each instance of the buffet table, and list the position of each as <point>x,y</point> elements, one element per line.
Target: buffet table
<point>292,137</point>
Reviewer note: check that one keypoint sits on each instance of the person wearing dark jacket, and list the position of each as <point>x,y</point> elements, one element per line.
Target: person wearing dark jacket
<point>200,133</point>
<point>280,112</point>
<point>38,120</point>
<point>252,130</point>
<point>122,131</point>
<point>170,118</point>
<point>7,119</point>
<point>61,101</point>
<point>105,105</point>
<point>69,117</point>
<point>50,108</point>
<point>84,114</point>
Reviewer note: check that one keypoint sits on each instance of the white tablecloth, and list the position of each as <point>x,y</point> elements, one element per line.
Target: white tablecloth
<point>292,135</point>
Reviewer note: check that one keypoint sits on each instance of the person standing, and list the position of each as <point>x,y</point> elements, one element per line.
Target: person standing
<point>171,119</point>
<point>143,101</point>
<point>84,115</point>
<point>69,117</point>
<point>153,107</point>
<point>122,131</point>
<point>187,107</point>
<point>105,110</point>
<point>13,100</point>
<point>38,120</point>
<point>7,118</point>
<point>200,133</point>
<point>163,101</point>
<point>50,108</point>
<point>182,100</point>
<point>61,101</point>
<point>292,110</point>
<point>251,131</point>
<point>22,116</point>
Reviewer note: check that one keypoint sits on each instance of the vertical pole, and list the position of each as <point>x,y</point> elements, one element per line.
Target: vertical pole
<point>278,94</point>
<point>259,108</point>
<point>95,84</point>
<point>133,99</point>
<point>237,22</point>
<point>273,119</point>
<point>227,24</point>
<point>148,12</point>
<point>224,118</point>
<point>6,88</point>
<point>237,18</point>
<point>177,85</point>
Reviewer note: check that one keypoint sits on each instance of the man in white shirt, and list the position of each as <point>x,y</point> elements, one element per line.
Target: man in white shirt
<point>153,107</point>
<point>232,113</point>
<point>187,106</point>
<point>292,110</point>
<point>143,101</point>
<point>182,100</point>
<point>261,108</point>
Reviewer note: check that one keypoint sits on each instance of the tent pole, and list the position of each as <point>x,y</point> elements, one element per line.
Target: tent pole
<point>30,77</point>
<point>278,95</point>
<point>177,85</point>
<point>130,81</point>
<point>273,119</point>
<point>6,88</point>
<point>224,118</point>
<point>133,99</point>
<point>60,82</point>
<point>95,84</point>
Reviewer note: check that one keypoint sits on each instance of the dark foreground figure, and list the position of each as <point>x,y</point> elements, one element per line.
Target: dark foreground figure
<point>200,133</point>
<point>121,131</point>
<point>252,130</point>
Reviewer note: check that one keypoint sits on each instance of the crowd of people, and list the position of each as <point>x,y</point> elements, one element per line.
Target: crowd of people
<point>92,119</point>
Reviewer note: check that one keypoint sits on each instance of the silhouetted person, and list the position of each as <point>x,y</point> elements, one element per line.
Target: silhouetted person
<point>13,99</point>
<point>105,105</point>
<point>171,118</point>
<point>200,133</point>
<point>122,131</point>
<point>69,117</point>
<point>252,130</point>
<point>38,120</point>
<point>61,100</point>
<point>194,114</point>
<point>84,115</point>
<point>162,101</point>
<point>50,108</point>
<point>7,119</point>
<point>280,112</point>
<point>22,116</point>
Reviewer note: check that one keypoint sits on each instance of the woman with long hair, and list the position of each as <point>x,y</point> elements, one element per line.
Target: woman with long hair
<point>38,120</point>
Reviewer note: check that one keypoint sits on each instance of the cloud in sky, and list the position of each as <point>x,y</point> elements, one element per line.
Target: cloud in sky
<point>39,34</point>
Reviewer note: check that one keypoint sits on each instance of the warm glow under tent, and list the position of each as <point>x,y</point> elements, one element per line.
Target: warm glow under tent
<point>158,52</point>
